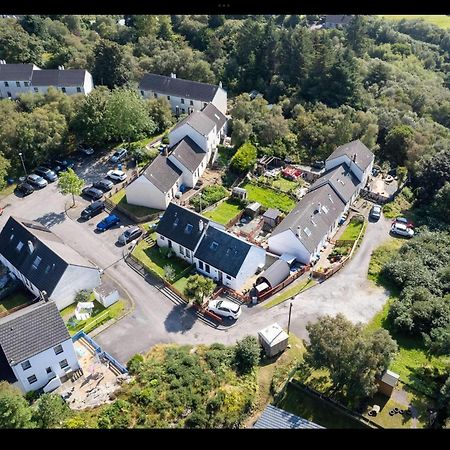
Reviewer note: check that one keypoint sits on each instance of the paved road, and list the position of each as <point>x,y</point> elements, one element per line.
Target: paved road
<point>156,319</point>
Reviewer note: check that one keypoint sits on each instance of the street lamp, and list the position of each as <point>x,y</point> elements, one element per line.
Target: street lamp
<point>23,164</point>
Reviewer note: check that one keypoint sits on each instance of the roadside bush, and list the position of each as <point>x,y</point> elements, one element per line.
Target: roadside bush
<point>244,159</point>
<point>247,354</point>
<point>135,363</point>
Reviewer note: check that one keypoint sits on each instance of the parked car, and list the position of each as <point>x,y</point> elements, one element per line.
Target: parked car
<point>86,151</point>
<point>116,175</point>
<point>36,181</point>
<point>401,229</point>
<point>129,235</point>
<point>46,173</point>
<point>318,164</point>
<point>63,164</point>
<point>404,221</point>
<point>92,193</point>
<point>225,308</point>
<point>375,212</point>
<point>104,185</point>
<point>108,222</point>
<point>92,210</point>
<point>119,155</point>
<point>25,189</point>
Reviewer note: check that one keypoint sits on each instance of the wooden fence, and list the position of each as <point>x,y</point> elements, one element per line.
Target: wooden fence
<point>16,308</point>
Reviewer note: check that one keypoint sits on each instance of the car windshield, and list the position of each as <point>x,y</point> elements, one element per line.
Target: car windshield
<point>232,306</point>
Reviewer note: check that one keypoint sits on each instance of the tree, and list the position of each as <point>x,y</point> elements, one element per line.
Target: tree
<point>14,409</point>
<point>4,167</point>
<point>51,411</point>
<point>241,132</point>
<point>70,183</point>
<point>353,358</point>
<point>397,143</point>
<point>244,159</point>
<point>110,67</point>
<point>199,287</point>
<point>247,354</point>
<point>161,113</point>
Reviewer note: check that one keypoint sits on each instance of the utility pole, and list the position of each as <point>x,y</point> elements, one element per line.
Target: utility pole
<point>23,164</point>
<point>289,320</point>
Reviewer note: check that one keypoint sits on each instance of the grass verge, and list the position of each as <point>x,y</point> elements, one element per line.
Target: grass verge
<point>294,290</point>
<point>441,21</point>
<point>352,230</point>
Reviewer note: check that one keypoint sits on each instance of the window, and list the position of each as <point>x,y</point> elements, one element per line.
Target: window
<point>182,101</point>
<point>228,277</point>
<point>25,83</point>
<point>19,246</point>
<point>200,265</point>
<point>37,262</point>
<point>191,102</point>
<point>63,364</point>
<point>307,231</point>
<point>183,110</point>
<point>63,89</point>
<point>78,89</point>
<point>58,349</point>
<point>9,94</point>
<point>181,250</point>
<point>26,365</point>
<point>207,268</point>
<point>6,84</point>
<point>18,83</point>
<point>36,89</point>
<point>11,237</point>
<point>214,245</point>
<point>155,95</point>
<point>48,370</point>
<point>32,379</point>
<point>188,253</point>
<point>168,97</point>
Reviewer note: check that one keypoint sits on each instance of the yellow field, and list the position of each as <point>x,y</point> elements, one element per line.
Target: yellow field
<point>440,21</point>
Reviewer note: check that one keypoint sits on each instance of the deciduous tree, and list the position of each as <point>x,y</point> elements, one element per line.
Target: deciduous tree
<point>70,183</point>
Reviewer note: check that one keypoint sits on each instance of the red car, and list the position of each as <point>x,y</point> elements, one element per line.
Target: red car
<point>404,221</point>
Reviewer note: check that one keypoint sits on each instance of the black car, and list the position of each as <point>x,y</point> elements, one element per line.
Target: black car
<point>318,164</point>
<point>104,185</point>
<point>93,193</point>
<point>25,189</point>
<point>92,210</point>
<point>46,173</point>
<point>64,164</point>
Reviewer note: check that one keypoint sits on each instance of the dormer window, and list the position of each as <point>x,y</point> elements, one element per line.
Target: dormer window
<point>188,228</point>
<point>36,262</point>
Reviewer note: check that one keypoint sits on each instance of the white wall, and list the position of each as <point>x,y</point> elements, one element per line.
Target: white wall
<point>74,279</point>
<point>88,83</point>
<point>189,178</point>
<point>220,100</point>
<point>287,242</point>
<point>255,257</point>
<point>13,88</point>
<point>142,192</point>
<point>162,241</point>
<point>41,361</point>
<point>184,130</point>
<point>174,101</point>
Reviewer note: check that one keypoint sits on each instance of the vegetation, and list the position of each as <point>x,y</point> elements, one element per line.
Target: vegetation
<point>353,229</point>
<point>70,183</point>
<point>14,410</point>
<point>244,159</point>
<point>380,256</point>
<point>226,211</point>
<point>209,195</point>
<point>198,288</point>
<point>290,292</point>
<point>268,197</point>
<point>400,205</point>
<point>440,21</point>
<point>247,354</point>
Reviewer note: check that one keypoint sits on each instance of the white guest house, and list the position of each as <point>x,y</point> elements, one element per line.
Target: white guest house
<point>44,263</point>
<point>184,96</point>
<point>36,348</point>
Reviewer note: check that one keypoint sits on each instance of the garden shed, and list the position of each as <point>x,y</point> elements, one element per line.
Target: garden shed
<point>275,274</point>
<point>272,217</point>
<point>273,339</point>
<point>387,382</point>
<point>252,209</point>
<point>239,193</point>
<point>106,293</point>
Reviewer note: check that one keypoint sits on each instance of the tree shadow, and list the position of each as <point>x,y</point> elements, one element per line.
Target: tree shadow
<point>51,219</point>
<point>180,319</point>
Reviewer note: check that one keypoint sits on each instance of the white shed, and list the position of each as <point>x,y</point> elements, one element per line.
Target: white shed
<point>106,294</point>
<point>273,339</point>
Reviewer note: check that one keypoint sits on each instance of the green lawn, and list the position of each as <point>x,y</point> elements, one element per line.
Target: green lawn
<point>286,185</point>
<point>99,316</point>
<point>439,20</point>
<point>382,255</point>
<point>15,299</point>
<point>294,290</point>
<point>352,231</point>
<point>268,197</point>
<point>153,261</point>
<point>226,211</point>
<point>120,199</point>
<point>180,284</point>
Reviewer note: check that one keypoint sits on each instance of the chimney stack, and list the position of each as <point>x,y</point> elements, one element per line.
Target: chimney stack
<point>173,75</point>
<point>354,157</point>
<point>299,231</point>
<point>201,225</point>
<point>30,247</point>
<point>220,84</point>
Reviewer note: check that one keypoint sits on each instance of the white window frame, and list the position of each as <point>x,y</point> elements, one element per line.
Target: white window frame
<point>27,364</point>
<point>58,347</point>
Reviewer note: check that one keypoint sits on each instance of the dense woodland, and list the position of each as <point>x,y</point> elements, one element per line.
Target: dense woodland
<point>387,84</point>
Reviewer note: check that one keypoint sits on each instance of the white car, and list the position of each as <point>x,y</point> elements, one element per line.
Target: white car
<point>402,230</point>
<point>119,155</point>
<point>225,308</point>
<point>116,175</point>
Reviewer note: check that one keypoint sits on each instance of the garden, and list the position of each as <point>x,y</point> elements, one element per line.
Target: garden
<point>268,198</point>
<point>226,211</point>
<point>18,297</point>
<point>281,183</point>
<point>347,239</point>
<point>208,196</point>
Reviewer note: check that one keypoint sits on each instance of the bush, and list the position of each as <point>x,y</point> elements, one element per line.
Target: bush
<point>244,159</point>
<point>135,363</point>
<point>209,196</point>
<point>247,354</point>
<point>165,252</point>
<point>165,139</point>
<point>169,272</point>
<point>83,296</point>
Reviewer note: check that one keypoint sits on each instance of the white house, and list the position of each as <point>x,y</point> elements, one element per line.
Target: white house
<point>185,96</point>
<point>43,262</point>
<point>337,21</point>
<point>226,258</point>
<point>17,79</point>
<point>35,347</point>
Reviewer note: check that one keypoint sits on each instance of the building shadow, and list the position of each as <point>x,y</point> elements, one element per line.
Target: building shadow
<point>51,219</point>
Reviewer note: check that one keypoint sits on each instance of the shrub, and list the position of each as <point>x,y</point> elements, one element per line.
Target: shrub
<point>83,296</point>
<point>169,272</point>
<point>209,196</point>
<point>135,363</point>
<point>165,139</point>
<point>247,354</point>
<point>165,252</point>
<point>116,415</point>
<point>244,159</point>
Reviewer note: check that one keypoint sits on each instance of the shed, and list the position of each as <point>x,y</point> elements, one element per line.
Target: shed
<point>106,293</point>
<point>252,209</point>
<point>275,274</point>
<point>273,339</point>
<point>239,193</point>
<point>272,217</point>
<point>387,382</point>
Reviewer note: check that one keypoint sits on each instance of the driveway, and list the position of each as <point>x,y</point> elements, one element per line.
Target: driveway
<point>156,319</point>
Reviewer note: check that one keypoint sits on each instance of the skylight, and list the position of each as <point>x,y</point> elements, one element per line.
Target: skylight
<point>214,245</point>
<point>188,228</point>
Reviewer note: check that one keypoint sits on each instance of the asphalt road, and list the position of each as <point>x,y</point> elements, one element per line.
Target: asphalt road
<point>156,319</point>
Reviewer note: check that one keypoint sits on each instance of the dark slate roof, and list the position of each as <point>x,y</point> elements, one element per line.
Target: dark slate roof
<point>31,330</point>
<point>188,153</point>
<point>228,256</point>
<point>306,214</point>
<point>55,255</point>
<point>363,155</point>
<point>60,78</point>
<point>339,19</point>
<point>272,213</point>
<point>341,179</point>
<point>178,87</point>
<point>273,417</point>
<point>16,72</point>
<point>215,115</point>
<point>199,122</point>
<point>174,226</point>
<point>276,273</point>
<point>162,173</point>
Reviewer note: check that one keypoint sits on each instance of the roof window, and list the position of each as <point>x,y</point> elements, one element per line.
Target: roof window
<point>188,228</point>
<point>214,245</point>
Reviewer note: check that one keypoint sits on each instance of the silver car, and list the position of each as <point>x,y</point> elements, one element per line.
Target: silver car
<point>36,181</point>
<point>129,235</point>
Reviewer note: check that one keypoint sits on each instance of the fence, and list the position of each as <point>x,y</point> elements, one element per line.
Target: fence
<point>16,308</point>
<point>101,353</point>
<point>234,220</point>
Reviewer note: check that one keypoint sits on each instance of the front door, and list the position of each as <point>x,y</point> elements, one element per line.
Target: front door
<point>220,276</point>
<point>170,243</point>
